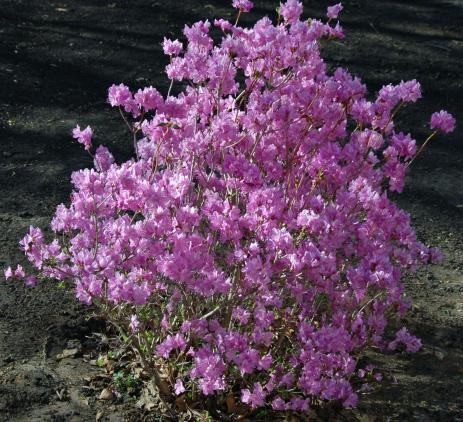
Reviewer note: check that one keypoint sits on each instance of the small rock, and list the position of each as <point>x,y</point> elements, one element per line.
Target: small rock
<point>105,395</point>
<point>68,353</point>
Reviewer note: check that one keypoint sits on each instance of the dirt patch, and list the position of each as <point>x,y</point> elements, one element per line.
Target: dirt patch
<point>57,59</point>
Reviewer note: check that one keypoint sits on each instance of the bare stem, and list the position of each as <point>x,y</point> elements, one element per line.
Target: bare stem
<point>238,17</point>
<point>422,147</point>
<point>170,87</point>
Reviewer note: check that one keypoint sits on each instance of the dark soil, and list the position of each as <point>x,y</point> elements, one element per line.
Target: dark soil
<point>57,59</point>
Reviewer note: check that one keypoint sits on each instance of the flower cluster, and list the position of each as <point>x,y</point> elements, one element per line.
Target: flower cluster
<point>251,247</point>
<point>443,121</point>
<point>84,137</point>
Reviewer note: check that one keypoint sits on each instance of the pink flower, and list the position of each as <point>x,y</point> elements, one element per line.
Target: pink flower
<point>121,96</point>
<point>149,98</point>
<point>298,404</point>
<point>362,111</point>
<point>31,281</point>
<point>435,255</point>
<point>172,48</point>
<point>8,273</point>
<point>278,404</point>
<point>179,387</point>
<point>197,36</point>
<point>291,11</point>
<point>19,272</point>
<point>165,322</point>
<point>411,343</point>
<point>84,137</point>
<point>171,343</point>
<point>134,324</point>
<point>256,398</point>
<point>241,315</point>
<point>351,401</point>
<point>265,363</point>
<point>333,11</point>
<point>243,5</point>
<point>223,24</point>
<point>103,158</point>
<point>443,121</point>
<point>410,91</point>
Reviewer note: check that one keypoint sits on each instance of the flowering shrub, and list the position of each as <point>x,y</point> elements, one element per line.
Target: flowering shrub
<point>249,250</point>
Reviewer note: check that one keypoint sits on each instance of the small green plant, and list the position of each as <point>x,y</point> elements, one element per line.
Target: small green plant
<point>101,361</point>
<point>126,383</point>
